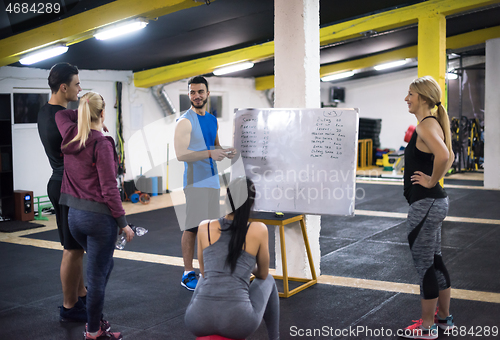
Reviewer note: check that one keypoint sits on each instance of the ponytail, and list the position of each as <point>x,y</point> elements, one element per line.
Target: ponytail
<point>431,93</point>
<point>444,121</point>
<point>89,110</point>
<point>239,226</point>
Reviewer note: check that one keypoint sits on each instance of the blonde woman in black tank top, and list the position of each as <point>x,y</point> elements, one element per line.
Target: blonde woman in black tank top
<point>428,157</point>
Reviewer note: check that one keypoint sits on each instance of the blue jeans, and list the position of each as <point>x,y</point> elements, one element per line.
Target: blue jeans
<point>96,233</point>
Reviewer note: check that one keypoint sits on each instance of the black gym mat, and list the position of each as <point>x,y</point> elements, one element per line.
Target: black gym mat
<point>12,226</point>
<point>145,301</point>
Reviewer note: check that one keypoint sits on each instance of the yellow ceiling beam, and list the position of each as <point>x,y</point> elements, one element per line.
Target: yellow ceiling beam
<point>264,83</point>
<point>397,18</point>
<point>342,31</point>
<point>403,53</point>
<point>80,27</point>
<point>432,48</point>
<point>196,67</point>
<point>472,38</point>
<point>454,42</point>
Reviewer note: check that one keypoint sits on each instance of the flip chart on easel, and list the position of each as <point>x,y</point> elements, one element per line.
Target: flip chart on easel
<point>301,160</point>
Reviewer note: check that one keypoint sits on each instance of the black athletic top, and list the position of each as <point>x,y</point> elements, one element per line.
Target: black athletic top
<point>416,160</point>
<point>51,138</point>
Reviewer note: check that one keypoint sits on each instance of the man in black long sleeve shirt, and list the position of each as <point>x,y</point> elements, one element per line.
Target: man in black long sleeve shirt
<point>65,86</point>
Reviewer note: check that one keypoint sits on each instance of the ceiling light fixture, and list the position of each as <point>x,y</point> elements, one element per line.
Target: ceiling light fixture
<point>390,65</point>
<point>43,54</point>
<point>120,29</point>
<point>451,75</point>
<point>337,76</point>
<point>233,68</point>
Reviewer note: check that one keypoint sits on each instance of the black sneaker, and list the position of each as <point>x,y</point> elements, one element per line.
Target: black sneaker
<point>76,314</point>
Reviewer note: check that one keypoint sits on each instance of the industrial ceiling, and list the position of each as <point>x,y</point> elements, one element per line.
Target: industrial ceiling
<point>185,35</point>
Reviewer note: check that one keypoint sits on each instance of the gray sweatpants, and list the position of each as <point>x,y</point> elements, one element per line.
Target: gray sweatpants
<point>425,218</point>
<point>236,319</point>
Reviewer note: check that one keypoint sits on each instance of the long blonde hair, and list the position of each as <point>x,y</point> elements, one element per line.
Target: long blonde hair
<point>430,92</point>
<point>89,110</point>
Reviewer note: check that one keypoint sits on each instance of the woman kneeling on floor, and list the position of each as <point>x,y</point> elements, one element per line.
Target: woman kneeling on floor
<point>229,250</point>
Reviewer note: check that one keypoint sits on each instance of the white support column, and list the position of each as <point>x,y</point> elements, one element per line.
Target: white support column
<point>492,116</point>
<point>296,53</point>
<point>297,85</point>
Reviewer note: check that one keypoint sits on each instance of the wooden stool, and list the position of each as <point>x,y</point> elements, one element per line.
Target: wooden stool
<point>270,219</point>
<point>214,337</point>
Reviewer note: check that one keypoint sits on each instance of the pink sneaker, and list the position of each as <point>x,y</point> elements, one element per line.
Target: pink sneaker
<point>105,326</point>
<point>416,331</point>
<point>103,335</point>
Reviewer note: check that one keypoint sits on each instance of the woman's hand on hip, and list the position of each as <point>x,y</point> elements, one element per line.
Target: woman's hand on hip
<point>424,180</point>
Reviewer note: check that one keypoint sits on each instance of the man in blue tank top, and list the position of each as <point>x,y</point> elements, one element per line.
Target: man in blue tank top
<point>197,144</point>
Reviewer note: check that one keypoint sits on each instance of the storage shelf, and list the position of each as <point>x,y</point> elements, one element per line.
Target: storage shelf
<point>6,176</point>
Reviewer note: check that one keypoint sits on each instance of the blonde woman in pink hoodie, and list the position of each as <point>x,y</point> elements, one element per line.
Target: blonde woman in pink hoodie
<point>95,209</point>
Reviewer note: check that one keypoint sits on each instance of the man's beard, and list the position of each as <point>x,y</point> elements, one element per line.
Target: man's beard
<point>199,106</point>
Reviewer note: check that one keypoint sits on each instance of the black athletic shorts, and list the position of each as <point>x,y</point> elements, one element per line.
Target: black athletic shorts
<point>201,204</point>
<point>67,240</point>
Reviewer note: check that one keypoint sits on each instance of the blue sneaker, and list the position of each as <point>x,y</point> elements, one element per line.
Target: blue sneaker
<point>189,281</point>
<point>446,323</point>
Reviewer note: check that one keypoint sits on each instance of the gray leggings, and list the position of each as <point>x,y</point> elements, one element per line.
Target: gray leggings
<point>236,319</point>
<point>425,218</point>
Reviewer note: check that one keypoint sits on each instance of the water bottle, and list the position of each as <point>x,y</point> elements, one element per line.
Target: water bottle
<point>121,241</point>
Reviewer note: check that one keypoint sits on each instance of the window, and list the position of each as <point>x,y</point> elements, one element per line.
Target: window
<point>214,104</point>
<point>184,102</point>
<point>27,105</point>
<point>74,105</point>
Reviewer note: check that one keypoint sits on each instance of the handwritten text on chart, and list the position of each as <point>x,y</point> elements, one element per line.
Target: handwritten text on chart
<point>254,142</point>
<point>326,139</point>
<point>327,136</point>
